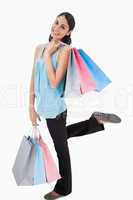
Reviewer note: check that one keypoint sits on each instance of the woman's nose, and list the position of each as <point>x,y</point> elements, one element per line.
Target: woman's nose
<point>56,28</point>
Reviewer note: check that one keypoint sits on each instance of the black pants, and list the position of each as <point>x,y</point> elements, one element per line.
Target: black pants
<point>60,133</point>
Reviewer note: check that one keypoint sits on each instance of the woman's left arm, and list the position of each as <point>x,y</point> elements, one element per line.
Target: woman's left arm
<point>55,76</point>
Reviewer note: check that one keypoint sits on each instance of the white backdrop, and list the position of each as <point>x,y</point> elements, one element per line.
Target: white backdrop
<point>101,162</point>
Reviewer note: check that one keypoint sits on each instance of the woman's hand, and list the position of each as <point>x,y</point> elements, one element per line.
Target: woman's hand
<point>51,48</point>
<point>33,116</point>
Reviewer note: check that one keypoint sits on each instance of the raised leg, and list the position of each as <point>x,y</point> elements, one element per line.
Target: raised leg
<point>81,128</point>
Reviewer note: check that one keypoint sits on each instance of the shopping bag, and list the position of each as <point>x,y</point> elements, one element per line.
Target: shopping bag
<point>101,79</point>
<point>52,172</point>
<point>28,179</point>
<point>24,163</point>
<point>39,165</point>
<point>29,165</point>
<point>72,81</point>
<point>86,80</point>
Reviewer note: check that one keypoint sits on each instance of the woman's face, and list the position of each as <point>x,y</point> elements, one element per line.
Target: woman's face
<point>60,28</point>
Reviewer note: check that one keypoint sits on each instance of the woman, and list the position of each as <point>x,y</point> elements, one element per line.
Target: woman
<point>52,107</point>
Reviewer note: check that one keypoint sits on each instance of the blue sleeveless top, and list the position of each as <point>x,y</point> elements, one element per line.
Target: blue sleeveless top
<point>49,101</point>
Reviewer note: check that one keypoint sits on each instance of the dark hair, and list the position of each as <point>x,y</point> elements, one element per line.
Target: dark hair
<point>71,22</point>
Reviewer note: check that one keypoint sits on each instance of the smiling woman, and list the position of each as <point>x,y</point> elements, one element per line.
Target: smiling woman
<point>48,74</point>
<point>62,28</point>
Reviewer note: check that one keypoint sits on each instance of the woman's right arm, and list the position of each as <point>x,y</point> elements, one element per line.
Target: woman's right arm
<point>32,113</point>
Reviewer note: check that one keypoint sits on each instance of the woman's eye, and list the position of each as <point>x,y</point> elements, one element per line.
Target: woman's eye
<point>63,27</point>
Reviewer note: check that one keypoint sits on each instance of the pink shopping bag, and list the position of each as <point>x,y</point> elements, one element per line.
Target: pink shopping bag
<point>86,79</point>
<point>52,172</point>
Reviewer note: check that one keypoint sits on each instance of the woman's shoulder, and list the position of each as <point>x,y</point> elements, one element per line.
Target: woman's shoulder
<point>68,46</point>
<point>39,48</point>
<point>65,47</point>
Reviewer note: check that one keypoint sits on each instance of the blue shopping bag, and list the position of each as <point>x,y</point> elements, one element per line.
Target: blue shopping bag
<point>39,165</point>
<point>101,79</point>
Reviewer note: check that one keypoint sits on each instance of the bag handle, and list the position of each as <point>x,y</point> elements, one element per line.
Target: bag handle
<point>35,132</point>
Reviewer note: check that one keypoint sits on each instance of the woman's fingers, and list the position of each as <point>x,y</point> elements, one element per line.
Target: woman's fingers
<point>34,123</point>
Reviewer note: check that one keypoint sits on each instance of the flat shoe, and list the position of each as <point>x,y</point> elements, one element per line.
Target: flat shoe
<point>107,117</point>
<point>52,195</point>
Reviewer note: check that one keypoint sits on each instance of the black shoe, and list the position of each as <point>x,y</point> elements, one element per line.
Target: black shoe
<point>107,117</point>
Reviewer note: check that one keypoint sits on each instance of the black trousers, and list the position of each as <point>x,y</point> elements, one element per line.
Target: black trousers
<point>60,133</point>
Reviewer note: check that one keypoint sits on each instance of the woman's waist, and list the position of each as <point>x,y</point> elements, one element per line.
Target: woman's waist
<point>48,98</point>
<point>51,93</point>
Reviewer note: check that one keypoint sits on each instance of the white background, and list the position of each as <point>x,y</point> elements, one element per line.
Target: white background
<point>102,166</point>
